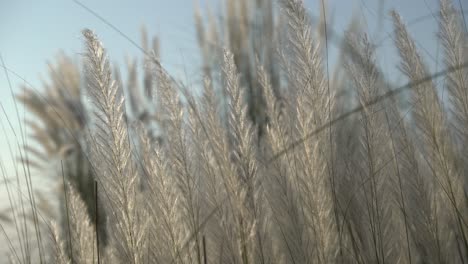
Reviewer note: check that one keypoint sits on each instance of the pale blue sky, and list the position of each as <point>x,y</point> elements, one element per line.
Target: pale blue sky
<point>32,32</point>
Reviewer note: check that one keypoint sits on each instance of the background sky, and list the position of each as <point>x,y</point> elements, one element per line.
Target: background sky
<point>33,32</point>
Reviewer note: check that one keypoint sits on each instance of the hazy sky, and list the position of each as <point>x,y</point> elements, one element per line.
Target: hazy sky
<point>32,32</point>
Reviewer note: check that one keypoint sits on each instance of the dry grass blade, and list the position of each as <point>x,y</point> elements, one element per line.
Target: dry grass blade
<point>111,144</point>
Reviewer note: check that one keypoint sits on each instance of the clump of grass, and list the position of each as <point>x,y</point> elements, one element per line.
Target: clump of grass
<point>306,189</point>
